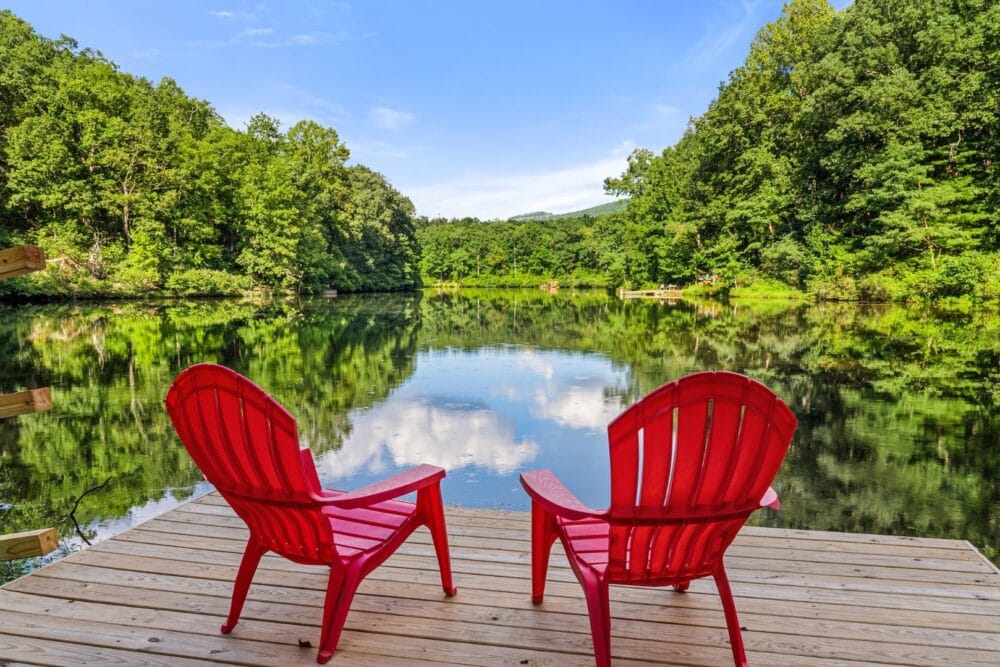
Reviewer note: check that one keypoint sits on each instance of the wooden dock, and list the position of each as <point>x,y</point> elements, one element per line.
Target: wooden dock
<point>156,595</point>
<point>651,294</point>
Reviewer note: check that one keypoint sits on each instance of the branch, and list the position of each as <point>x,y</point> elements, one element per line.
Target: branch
<point>72,512</point>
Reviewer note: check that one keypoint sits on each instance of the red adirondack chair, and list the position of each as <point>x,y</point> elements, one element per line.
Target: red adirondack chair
<point>247,445</point>
<point>689,463</point>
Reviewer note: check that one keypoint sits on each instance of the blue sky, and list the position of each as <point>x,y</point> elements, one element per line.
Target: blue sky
<point>477,108</point>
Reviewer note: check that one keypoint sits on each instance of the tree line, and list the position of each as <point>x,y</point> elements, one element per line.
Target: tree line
<point>854,154</point>
<point>134,187</point>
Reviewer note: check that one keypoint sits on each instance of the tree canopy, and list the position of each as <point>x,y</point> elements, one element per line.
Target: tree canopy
<point>133,187</point>
<point>853,154</point>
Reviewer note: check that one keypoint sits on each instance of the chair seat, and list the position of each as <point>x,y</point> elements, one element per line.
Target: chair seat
<point>366,529</point>
<point>589,541</point>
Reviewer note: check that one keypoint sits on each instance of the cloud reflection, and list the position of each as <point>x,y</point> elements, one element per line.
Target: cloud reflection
<point>405,433</point>
<point>579,405</point>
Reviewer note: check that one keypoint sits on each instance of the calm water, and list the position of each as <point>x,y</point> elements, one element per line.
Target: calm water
<point>898,407</point>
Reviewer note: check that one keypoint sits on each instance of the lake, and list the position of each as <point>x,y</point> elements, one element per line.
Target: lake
<point>899,425</point>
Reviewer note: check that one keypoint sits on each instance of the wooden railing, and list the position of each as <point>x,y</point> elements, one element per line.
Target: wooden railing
<point>17,262</point>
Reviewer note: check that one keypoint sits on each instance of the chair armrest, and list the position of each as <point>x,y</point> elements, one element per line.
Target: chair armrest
<point>770,499</point>
<point>546,490</point>
<point>385,489</point>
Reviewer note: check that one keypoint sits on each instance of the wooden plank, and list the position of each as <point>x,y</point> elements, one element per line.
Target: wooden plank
<point>20,260</point>
<point>28,543</point>
<point>278,641</point>
<point>972,591</point>
<point>476,603</point>
<point>95,632</point>
<point>804,597</point>
<point>491,519</point>
<point>528,634</point>
<point>491,640</point>
<point>505,538</point>
<point>25,402</point>
<point>21,649</point>
<point>208,577</point>
<point>507,550</point>
<point>968,582</point>
<point>149,533</point>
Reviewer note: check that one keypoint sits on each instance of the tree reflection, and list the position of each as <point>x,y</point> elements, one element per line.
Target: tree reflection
<point>110,366</point>
<point>897,406</point>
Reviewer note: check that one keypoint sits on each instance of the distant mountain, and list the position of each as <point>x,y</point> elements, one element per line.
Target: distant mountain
<point>534,215</point>
<point>593,211</point>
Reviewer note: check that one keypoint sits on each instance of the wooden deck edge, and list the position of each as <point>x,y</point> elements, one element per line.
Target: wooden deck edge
<point>74,554</point>
<point>979,553</point>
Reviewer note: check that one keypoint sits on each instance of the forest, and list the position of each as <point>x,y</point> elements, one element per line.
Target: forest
<point>134,188</point>
<point>855,154</point>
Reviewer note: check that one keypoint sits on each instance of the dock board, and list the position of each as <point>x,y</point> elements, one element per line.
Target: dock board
<point>157,594</point>
<point>651,294</point>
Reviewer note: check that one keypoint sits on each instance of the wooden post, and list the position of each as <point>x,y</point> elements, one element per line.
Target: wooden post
<point>25,402</point>
<point>29,543</point>
<point>20,260</point>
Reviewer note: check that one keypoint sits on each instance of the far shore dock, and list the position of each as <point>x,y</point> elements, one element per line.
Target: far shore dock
<point>157,594</point>
<point>650,294</point>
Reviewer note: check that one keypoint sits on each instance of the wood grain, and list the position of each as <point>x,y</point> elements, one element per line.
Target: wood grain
<point>805,598</point>
<point>25,402</point>
<point>20,260</point>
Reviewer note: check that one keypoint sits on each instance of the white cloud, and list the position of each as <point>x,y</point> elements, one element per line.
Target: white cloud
<point>151,54</point>
<point>367,149</point>
<point>297,104</point>
<point>502,196</point>
<point>665,110</point>
<point>304,39</point>
<point>230,14</point>
<point>721,34</point>
<point>624,149</point>
<point>251,32</point>
<point>389,119</point>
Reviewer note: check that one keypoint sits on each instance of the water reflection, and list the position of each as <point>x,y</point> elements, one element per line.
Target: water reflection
<point>898,407</point>
<point>484,417</point>
<point>404,432</point>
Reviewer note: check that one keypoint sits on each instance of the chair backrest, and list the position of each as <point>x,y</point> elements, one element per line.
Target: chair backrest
<point>689,462</point>
<point>247,445</point>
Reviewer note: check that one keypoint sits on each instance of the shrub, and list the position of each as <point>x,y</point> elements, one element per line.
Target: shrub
<point>882,286</point>
<point>834,288</point>
<point>786,260</point>
<point>959,275</point>
<point>208,282</point>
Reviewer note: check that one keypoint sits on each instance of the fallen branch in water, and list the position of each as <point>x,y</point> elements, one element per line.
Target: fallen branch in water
<point>72,512</point>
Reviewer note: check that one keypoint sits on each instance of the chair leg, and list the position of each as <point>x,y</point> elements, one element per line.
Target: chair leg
<point>543,534</point>
<point>429,502</point>
<point>732,621</point>
<point>248,566</point>
<point>339,595</point>
<point>596,592</point>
